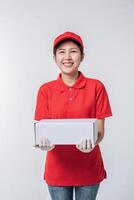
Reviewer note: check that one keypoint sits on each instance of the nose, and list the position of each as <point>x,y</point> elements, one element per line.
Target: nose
<point>67,55</point>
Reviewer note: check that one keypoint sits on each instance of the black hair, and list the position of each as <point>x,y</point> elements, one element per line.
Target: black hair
<point>80,47</point>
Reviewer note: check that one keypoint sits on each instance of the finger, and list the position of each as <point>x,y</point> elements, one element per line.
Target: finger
<point>88,144</point>
<point>48,141</point>
<point>84,144</point>
<point>44,143</point>
<point>91,146</point>
<point>81,144</point>
<point>41,142</point>
<point>44,148</point>
<point>78,146</point>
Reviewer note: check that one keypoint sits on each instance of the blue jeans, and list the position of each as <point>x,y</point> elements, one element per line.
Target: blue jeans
<point>66,192</point>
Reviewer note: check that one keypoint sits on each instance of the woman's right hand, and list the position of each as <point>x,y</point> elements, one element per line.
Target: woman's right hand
<point>45,144</point>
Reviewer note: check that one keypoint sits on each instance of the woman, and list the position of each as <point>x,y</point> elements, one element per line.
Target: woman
<point>72,95</point>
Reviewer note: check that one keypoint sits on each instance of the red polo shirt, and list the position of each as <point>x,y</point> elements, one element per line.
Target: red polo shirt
<point>87,98</point>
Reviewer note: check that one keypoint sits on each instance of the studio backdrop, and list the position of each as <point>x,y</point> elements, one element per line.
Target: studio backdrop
<point>27,30</point>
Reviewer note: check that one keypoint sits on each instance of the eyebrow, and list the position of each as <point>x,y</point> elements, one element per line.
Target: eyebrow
<point>70,48</point>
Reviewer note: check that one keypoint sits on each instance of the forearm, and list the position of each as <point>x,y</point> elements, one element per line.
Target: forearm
<point>99,139</point>
<point>101,129</point>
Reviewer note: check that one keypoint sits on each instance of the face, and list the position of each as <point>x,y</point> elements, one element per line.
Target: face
<point>68,57</point>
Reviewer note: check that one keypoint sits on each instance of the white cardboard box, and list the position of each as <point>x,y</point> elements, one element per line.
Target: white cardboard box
<point>66,131</point>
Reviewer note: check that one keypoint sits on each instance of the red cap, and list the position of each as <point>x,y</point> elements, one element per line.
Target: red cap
<point>68,35</point>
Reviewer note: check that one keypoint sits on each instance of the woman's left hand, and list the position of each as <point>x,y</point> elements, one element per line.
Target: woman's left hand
<point>85,145</point>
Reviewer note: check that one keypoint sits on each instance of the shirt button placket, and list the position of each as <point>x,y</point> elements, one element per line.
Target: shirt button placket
<point>70,98</point>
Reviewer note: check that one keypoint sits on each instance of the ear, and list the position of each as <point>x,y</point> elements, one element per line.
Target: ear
<point>82,57</point>
<point>54,57</point>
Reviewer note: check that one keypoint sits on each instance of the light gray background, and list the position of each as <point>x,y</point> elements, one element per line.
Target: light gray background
<point>27,30</point>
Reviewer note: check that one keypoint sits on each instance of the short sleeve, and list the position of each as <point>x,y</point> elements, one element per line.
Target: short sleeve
<point>41,110</point>
<point>103,108</point>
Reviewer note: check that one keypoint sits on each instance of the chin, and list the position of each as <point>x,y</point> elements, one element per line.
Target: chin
<point>70,71</point>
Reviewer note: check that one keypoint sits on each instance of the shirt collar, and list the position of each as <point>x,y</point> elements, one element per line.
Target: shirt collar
<point>79,83</point>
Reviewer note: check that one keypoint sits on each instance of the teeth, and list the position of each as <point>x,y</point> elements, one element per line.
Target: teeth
<point>67,63</point>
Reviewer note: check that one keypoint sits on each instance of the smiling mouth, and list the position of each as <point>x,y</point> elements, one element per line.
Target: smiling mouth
<point>67,63</point>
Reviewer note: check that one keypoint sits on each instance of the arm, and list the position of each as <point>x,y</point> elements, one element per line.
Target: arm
<point>42,112</point>
<point>101,130</point>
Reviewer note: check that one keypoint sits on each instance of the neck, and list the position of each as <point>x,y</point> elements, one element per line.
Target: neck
<point>69,79</point>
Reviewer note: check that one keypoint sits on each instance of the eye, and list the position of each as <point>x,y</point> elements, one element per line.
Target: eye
<point>73,51</point>
<point>61,52</point>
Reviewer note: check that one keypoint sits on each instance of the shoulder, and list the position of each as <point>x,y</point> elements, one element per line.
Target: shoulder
<point>94,82</point>
<point>48,85</point>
